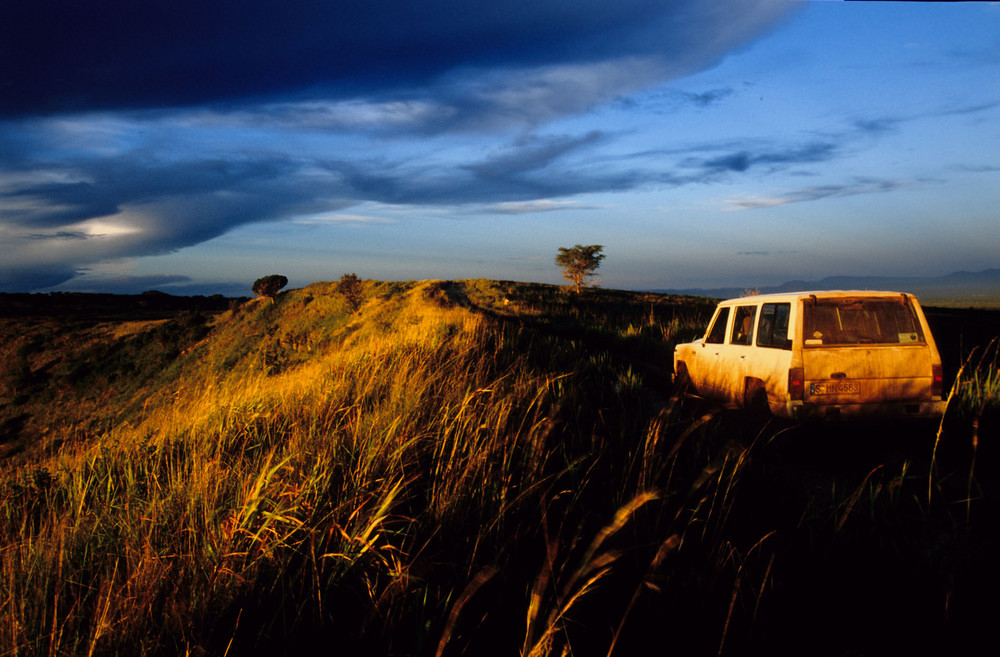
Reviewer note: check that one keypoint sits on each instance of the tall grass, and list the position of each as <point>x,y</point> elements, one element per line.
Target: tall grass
<point>977,388</point>
<point>417,478</point>
<point>261,505</point>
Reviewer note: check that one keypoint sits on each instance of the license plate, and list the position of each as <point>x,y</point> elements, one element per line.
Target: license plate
<point>835,388</point>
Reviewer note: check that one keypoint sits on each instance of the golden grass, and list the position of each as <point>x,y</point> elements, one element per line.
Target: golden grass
<point>417,477</point>
<point>189,505</point>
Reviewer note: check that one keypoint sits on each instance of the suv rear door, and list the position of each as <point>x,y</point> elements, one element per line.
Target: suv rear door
<point>864,350</point>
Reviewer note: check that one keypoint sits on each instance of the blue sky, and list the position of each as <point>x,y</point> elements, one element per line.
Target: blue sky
<point>183,147</point>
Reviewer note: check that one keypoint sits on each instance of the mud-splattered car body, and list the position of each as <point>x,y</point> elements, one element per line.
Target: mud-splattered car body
<point>817,354</point>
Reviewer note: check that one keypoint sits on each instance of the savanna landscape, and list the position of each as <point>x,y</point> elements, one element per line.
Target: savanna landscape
<point>470,467</point>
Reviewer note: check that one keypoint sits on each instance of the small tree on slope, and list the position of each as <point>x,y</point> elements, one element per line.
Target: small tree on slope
<point>352,289</point>
<point>579,263</point>
<point>268,286</point>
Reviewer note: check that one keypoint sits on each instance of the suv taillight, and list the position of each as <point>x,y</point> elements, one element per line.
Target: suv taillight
<point>796,383</point>
<point>937,382</point>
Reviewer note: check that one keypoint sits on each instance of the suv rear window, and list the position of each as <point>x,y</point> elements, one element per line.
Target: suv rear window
<point>860,320</point>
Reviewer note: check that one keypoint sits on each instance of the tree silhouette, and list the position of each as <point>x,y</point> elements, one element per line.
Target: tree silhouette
<point>268,286</point>
<point>580,262</point>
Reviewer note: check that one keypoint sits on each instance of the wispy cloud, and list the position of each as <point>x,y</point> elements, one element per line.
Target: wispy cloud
<point>127,284</point>
<point>766,253</point>
<point>342,219</point>
<point>979,168</point>
<point>532,153</point>
<point>58,235</point>
<point>743,160</point>
<point>710,97</point>
<point>817,193</point>
<point>530,207</point>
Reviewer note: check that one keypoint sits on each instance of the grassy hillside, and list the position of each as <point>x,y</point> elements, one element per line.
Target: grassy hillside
<point>70,363</point>
<point>469,467</point>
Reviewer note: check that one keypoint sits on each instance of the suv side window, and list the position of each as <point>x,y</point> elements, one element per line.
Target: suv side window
<point>743,325</point>
<point>773,328</point>
<point>718,333</point>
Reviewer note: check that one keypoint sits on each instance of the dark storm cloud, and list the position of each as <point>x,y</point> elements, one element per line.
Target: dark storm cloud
<point>67,55</point>
<point>111,183</point>
<point>129,206</point>
<point>35,276</point>
<point>138,128</point>
<point>188,201</point>
<point>132,204</point>
<point>173,283</point>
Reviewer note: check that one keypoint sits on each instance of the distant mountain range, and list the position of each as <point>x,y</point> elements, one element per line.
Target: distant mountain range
<point>960,288</point>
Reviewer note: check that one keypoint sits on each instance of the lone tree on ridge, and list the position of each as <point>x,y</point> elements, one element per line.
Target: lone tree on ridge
<point>268,286</point>
<point>579,263</point>
<point>350,286</point>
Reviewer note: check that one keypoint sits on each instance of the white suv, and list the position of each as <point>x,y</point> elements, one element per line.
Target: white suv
<point>817,354</point>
